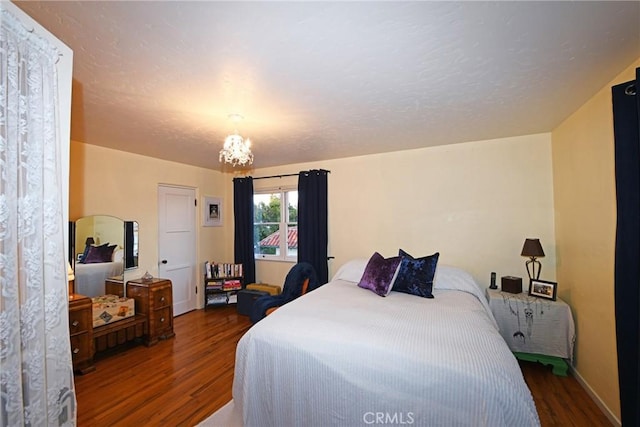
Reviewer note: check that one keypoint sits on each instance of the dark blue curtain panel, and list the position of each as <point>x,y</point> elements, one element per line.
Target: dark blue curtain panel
<point>313,237</point>
<point>626,119</point>
<point>243,227</point>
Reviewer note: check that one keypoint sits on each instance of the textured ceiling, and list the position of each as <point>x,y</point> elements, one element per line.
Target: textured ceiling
<point>323,80</point>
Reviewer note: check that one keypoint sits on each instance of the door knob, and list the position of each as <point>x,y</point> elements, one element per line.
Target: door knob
<point>164,261</point>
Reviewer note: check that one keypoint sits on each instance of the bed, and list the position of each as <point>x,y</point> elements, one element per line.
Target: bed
<point>342,355</point>
<point>90,278</point>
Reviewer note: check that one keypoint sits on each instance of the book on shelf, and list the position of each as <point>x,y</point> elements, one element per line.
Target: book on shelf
<point>217,299</point>
<point>207,270</point>
<point>215,270</point>
<point>232,285</point>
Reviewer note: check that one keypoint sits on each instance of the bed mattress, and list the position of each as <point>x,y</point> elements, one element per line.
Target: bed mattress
<point>111,308</point>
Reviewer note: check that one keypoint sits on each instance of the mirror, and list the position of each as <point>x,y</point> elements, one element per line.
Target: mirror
<point>103,246</point>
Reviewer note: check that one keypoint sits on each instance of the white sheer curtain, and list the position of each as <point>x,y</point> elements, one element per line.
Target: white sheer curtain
<point>35,356</point>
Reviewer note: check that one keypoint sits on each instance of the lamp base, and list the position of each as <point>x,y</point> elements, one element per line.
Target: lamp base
<point>531,268</point>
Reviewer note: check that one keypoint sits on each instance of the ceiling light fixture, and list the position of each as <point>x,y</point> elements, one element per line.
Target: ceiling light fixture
<point>236,150</point>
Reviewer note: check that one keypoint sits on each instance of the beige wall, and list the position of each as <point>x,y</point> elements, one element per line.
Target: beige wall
<point>475,203</point>
<point>585,211</point>
<point>125,185</point>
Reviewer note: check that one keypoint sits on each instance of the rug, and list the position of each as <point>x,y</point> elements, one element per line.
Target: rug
<point>227,416</point>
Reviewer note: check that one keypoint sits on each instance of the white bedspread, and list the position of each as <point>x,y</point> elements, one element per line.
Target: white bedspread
<point>90,278</point>
<point>342,355</point>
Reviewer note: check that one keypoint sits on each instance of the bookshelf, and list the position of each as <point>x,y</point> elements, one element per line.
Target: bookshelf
<point>222,283</point>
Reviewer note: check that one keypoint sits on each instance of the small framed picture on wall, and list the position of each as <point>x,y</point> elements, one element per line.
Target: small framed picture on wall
<point>212,211</point>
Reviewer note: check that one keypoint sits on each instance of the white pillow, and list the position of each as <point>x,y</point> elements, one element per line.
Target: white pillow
<point>351,271</point>
<point>448,277</point>
<point>118,255</point>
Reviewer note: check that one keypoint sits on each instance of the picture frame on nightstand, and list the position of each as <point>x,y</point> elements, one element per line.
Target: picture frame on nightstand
<point>543,289</point>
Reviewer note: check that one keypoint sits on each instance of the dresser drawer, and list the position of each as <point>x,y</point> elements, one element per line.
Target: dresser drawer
<point>79,321</point>
<point>161,297</point>
<point>162,320</point>
<point>81,347</point>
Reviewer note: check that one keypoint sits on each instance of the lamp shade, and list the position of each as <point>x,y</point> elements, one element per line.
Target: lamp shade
<point>532,248</point>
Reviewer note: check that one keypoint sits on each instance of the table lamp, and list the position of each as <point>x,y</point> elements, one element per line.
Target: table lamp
<point>533,249</point>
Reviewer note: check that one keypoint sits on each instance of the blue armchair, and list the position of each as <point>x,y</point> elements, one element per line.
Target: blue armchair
<point>300,279</point>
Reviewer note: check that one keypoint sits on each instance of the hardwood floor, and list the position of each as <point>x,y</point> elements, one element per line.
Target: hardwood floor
<point>561,401</point>
<point>178,382</point>
<point>181,381</point>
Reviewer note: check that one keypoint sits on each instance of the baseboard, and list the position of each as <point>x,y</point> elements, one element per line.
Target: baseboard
<point>592,394</point>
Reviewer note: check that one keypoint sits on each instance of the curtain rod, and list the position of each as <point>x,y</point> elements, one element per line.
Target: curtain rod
<point>287,174</point>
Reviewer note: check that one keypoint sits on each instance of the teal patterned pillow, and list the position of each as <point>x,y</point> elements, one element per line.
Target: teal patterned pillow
<point>415,275</point>
<point>380,274</point>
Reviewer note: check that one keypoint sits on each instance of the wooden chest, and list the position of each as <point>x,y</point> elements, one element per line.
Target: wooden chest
<point>154,300</point>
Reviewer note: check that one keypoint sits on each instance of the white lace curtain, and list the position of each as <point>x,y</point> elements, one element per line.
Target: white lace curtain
<point>35,356</point>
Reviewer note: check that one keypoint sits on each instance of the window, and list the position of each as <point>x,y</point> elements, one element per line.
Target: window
<point>275,224</point>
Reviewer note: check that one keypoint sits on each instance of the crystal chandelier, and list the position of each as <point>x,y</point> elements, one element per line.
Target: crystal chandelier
<point>236,150</point>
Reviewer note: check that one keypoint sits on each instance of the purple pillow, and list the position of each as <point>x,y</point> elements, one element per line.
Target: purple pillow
<point>102,253</point>
<point>415,275</point>
<point>379,274</point>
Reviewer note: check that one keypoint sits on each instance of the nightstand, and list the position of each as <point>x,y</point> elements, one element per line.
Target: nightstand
<point>535,329</point>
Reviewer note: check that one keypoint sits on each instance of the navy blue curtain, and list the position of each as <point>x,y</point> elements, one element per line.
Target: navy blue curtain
<point>130,261</point>
<point>312,221</point>
<point>72,243</point>
<point>626,119</point>
<point>243,231</point>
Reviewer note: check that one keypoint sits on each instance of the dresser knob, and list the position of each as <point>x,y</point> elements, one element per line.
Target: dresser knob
<point>75,323</point>
<point>162,320</point>
<point>76,350</point>
<point>162,299</point>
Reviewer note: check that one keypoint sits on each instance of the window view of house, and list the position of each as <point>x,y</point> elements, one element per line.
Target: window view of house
<point>275,223</point>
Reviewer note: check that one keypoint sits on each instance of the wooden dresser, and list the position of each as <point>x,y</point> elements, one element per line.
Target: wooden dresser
<point>154,300</point>
<point>153,320</point>
<point>81,332</point>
